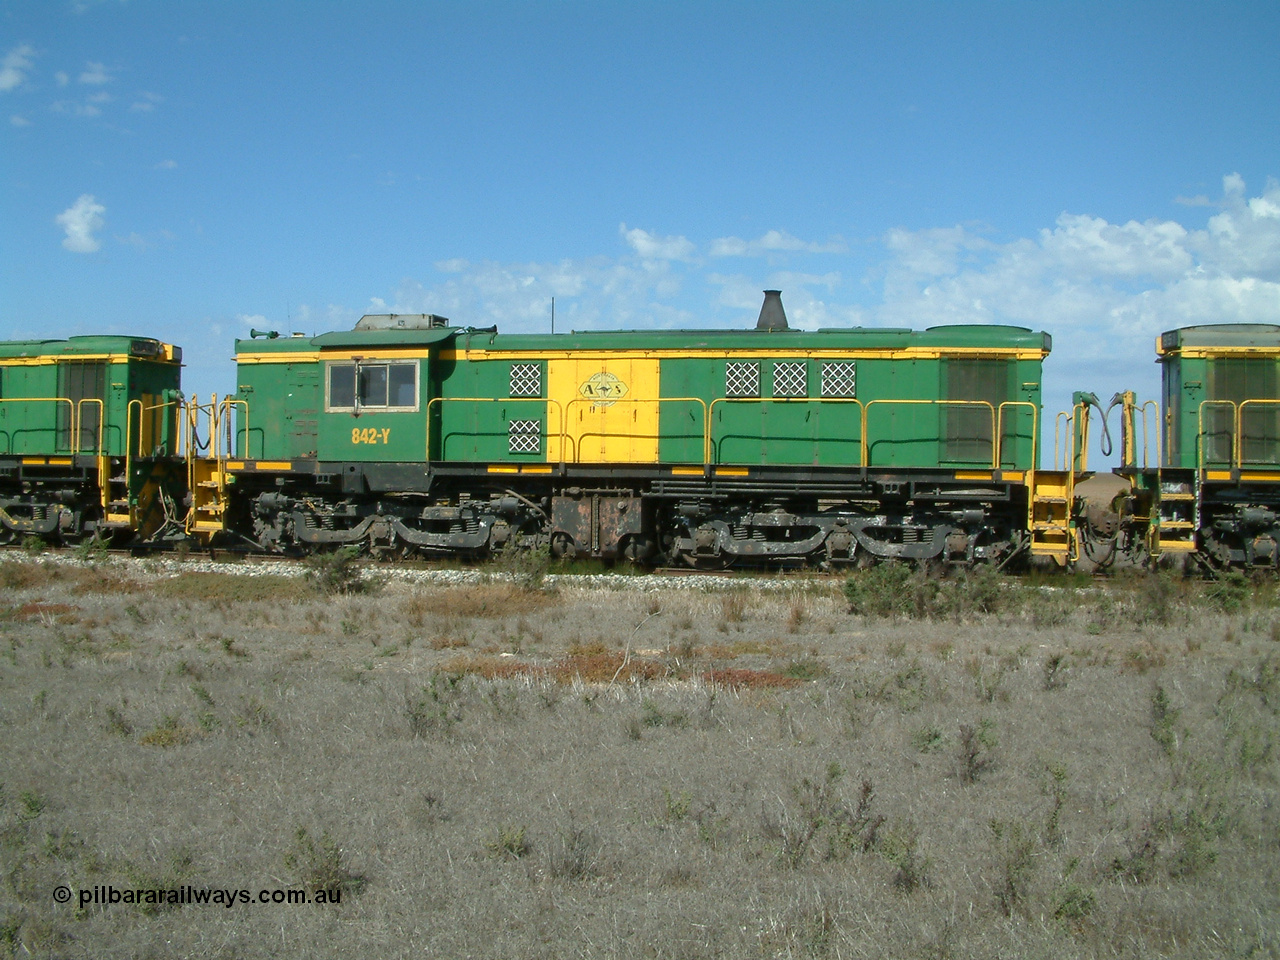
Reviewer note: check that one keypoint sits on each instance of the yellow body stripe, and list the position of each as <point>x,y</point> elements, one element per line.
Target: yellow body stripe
<point>50,359</point>
<point>472,356</point>
<point>1208,353</point>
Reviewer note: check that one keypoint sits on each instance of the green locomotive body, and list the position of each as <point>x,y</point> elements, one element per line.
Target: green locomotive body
<point>88,432</point>
<point>1212,490</point>
<point>710,446</point>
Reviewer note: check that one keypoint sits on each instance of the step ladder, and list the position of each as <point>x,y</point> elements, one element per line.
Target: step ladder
<point>207,478</point>
<point>1049,521</point>
<point>208,486</point>
<point>1173,528</point>
<point>118,507</point>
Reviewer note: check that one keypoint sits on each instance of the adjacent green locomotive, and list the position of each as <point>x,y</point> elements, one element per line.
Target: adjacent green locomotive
<point>409,435</point>
<point>88,430</point>
<point>1212,488</point>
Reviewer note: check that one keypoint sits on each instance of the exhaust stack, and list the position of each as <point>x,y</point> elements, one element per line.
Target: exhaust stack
<point>772,316</point>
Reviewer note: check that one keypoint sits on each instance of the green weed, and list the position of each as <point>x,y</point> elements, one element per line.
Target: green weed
<point>320,865</point>
<point>509,842</point>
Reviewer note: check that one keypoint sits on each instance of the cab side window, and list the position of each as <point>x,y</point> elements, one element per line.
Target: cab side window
<point>391,386</point>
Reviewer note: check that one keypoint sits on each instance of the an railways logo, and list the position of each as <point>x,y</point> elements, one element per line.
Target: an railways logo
<point>604,388</point>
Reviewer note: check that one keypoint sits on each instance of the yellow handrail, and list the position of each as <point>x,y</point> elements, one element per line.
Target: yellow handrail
<point>709,447</point>
<point>1200,452</point>
<point>142,411</point>
<point>1067,429</point>
<point>102,416</point>
<point>1080,416</point>
<point>104,467</point>
<point>564,420</point>
<point>443,400</point>
<point>215,428</point>
<point>1257,401</point>
<point>1035,432</point>
<point>71,414</point>
<point>191,423</point>
<point>1145,434</point>
<point>866,409</point>
<point>228,404</point>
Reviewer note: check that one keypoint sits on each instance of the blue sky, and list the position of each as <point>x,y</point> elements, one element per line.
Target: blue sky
<point>1103,171</point>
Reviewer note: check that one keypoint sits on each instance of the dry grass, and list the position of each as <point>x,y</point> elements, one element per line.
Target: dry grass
<point>494,772</point>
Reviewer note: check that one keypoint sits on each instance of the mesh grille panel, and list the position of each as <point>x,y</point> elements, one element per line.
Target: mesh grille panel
<point>526,380</point>
<point>742,378</point>
<point>839,379</point>
<point>524,436</point>
<point>790,379</point>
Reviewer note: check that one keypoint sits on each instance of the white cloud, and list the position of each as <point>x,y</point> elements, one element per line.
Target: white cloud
<point>146,102</point>
<point>773,241</point>
<point>94,74</point>
<point>80,220</point>
<point>252,320</point>
<point>1090,246</point>
<point>651,247</point>
<point>61,78</point>
<point>14,67</point>
<point>17,120</point>
<point>593,293</point>
<point>166,165</point>
<point>1245,237</point>
<point>1103,290</point>
<point>75,108</point>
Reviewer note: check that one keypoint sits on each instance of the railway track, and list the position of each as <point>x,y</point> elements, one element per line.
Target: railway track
<point>252,563</point>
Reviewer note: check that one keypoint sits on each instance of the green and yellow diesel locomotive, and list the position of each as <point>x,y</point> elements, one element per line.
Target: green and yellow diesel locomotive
<point>1203,464</point>
<point>88,437</point>
<point>408,435</point>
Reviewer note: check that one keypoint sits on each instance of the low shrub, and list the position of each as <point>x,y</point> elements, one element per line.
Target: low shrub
<point>320,865</point>
<point>338,572</point>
